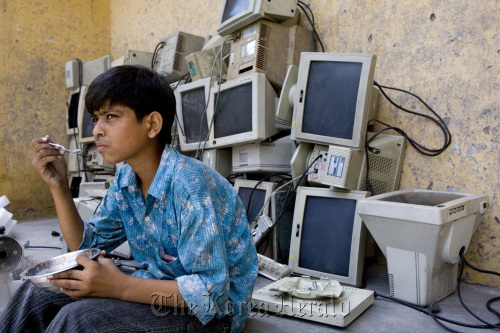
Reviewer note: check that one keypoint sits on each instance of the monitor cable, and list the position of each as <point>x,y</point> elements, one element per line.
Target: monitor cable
<point>157,49</point>
<point>302,5</point>
<point>177,123</point>
<point>431,152</point>
<point>200,150</point>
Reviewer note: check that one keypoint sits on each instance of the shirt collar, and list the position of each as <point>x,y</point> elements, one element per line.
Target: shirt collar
<point>162,178</point>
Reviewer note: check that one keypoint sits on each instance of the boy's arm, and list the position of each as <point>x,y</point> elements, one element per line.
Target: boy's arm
<point>48,161</point>
<point>101,278</point>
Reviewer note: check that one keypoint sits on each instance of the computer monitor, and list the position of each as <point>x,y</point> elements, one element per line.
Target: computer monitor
<point>334,98</point>
<point>192,103</point>
<point>219,160</point>
<point>85,124</point>
<point>134,58</point>
<point>269,48</point>
<point>171,62</point>
<point>328,239</point>
<point>254,196</point>
<point>421,233</point>
<point>344,167</point>
<point>243,111</point>
<point>72,112</point>
<point>236,14</point>
<point>263,157</point>
<point>91,69</point>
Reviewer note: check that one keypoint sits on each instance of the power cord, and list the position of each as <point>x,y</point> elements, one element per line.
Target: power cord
<point>302,5</point>
<point>419,147</point>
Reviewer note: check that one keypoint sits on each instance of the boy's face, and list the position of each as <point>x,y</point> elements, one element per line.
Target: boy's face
<point>118,135</point>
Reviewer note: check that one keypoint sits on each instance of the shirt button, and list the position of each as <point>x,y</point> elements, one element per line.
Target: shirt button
<point>147,219</point>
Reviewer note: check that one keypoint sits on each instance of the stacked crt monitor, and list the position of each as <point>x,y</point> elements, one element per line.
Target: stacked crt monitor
<point>333,98</point>
<point>243,111</point>
<point>236,14</point>
<point>254,195</point>
<point>192,102</point>
<point>328,237</point>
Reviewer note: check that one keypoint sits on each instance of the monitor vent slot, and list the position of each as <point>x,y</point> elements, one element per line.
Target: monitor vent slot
<point>444,283</point>
<point>263,38</point>
<point>261,57</point>
<point>179,52</point>
<point>381,164</point>
<point>391,285</point>
<point>381,174</point>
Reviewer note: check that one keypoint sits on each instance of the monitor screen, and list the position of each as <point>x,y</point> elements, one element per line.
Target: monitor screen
<point>328,238</point>
<point>72,112</point>
<point>85,124</point>
<point>253,202</point>
<point>340,213</point>
<point>243,111</point>
<point>334,98</point>
<point>233,8</point>
<point>192,102</point>
<point>233,111</point>
<point>254,195</point>
<point>236,14</point>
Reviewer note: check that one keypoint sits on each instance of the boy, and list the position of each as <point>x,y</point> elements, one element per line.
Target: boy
<point>166,205</point>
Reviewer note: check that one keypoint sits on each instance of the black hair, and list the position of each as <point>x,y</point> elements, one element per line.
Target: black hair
<point>138,88</point>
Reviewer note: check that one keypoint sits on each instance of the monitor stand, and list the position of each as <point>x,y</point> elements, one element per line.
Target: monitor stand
<point>339,311</point>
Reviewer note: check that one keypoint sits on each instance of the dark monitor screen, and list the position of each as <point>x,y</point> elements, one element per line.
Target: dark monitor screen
<point>73,110</point>
<point>256,204</point>
<point>87,125</point>
<point>327,227</point>
<point>233,8</point>
<point>193,104</point>
<point>233,112</point>
<point>331,97</point>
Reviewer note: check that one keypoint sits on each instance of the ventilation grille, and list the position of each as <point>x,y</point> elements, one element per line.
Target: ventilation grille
<point>179,53</point>
<point>381,176</point>
<point>262,47</point>
<point>391,285</point>
<point>444,283</point>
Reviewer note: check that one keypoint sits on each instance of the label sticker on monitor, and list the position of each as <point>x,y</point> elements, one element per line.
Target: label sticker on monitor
<point>336,166</point>
<point>192,69</point>
<point>243,156</point>
<point>248,49</point>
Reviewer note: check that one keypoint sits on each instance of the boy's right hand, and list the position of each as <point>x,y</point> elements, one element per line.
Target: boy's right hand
<point>48,162</point>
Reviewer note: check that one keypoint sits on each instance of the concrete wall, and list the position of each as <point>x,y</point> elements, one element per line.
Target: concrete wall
<point>447,52</point>
<point>36,40</point>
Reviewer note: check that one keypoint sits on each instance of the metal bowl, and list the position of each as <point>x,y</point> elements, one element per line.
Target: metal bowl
<point>38,274</point>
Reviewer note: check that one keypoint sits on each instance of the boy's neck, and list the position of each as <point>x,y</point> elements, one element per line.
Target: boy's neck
<point>146,167</point>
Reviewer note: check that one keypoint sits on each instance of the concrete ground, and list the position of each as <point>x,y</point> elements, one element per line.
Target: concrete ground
<point>382,316</point>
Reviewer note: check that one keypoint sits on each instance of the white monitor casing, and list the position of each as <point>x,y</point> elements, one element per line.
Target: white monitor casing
<point>421,233</point>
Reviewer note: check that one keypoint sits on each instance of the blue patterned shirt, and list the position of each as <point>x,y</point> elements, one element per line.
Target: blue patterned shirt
<point>192,213</point>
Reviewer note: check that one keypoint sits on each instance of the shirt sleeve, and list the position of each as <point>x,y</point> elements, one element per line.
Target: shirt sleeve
<point>202,253</point>
<point>105,229</point>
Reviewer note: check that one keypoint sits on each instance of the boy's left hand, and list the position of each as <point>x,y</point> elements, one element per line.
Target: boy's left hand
<point>99,278</point>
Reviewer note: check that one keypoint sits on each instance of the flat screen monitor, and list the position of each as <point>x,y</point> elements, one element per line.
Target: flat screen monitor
<point>192,103</point>
<point>85,124</point>
<point>334,98</point>
<point>243,111</point>
<point>236,14</point>
<point>254,196</point>
<point>328,239</point>
<point>72,112</point>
